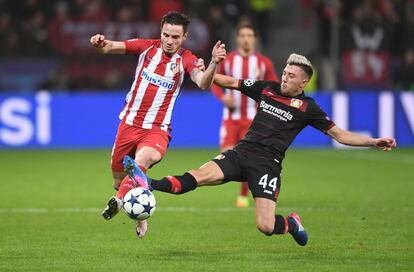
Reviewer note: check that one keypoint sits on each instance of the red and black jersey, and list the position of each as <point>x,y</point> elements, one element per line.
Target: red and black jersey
<point>278,119</point>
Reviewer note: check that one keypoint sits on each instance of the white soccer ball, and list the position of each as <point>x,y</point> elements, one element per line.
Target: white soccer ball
<point>139,203</point>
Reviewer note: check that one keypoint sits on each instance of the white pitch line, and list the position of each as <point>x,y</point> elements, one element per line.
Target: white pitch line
<point>217,209</point>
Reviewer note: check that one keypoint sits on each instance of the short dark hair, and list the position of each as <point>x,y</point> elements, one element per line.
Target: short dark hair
<point>246,25</point>
<point>176,18</point>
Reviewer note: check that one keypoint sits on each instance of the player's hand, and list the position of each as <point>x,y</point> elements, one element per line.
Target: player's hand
<point>200,65</point>
<point>228,101</point>
<point>386,144</point>
<point>98,41</point>
<point>219,52</point>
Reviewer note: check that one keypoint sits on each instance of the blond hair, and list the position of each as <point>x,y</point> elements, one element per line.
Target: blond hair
<point>302,62</point>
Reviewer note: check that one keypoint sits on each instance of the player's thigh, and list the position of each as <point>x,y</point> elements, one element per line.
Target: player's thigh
<point>229,162</point>
<point>147,156</point>
<point>208,174</point>
<point>125,144</point>
<point>152,147</point>
<point>263,177</point>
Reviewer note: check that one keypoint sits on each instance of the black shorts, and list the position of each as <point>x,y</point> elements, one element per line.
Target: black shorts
<point>262,175</point>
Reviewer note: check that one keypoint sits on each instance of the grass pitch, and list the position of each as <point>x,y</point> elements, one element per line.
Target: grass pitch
<point>357,207</point>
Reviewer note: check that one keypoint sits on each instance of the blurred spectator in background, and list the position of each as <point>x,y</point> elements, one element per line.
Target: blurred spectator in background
<point>8,36</point>
<point>116,80</point>
<point>408,33</point>
<point>157,8</point>
<point>325,12</point>
<point>34,39</point>
<point>261,12</point>
<point>374,35</point>
<point>61,16</point>
<point>57,79</point>
<point>366,48</point>
<point>219,26</point>
<point>198,39</point>
<point>93,11</point>
<point>404,74</point>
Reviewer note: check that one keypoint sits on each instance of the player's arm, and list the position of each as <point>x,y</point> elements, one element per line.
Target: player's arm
<point>204,79</point>
<point>353,139</point>
<point>106,46</point>
<point>227,82</point>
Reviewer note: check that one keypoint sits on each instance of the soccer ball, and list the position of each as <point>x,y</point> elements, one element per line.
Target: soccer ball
<point>139,203</point>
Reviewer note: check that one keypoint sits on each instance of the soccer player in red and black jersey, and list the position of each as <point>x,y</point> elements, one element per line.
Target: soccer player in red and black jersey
<point>143,132</point>
<point>239,109</point>
<point>284,110</point>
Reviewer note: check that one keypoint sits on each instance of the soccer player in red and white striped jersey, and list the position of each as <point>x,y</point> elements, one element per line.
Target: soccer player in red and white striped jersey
<point>143,132</point>
<point>239,110</point>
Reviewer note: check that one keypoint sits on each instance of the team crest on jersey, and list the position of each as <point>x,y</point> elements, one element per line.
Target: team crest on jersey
<point>249,82</point>
<point>174,67</point>
<point>296,103</point>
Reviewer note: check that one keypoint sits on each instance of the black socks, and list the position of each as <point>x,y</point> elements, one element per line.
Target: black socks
<point>175,184</point>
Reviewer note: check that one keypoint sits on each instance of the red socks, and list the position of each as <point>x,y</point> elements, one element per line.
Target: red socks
<point>127,184</point>
<point>244,189</point>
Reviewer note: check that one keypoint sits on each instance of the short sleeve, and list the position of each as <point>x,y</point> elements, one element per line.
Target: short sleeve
<point>253,88</point>
<point>319,119</point>
<point>137,46</point>
<point>189,61</point>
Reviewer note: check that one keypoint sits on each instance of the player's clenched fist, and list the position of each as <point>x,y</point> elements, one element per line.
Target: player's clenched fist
<point>98,41</point>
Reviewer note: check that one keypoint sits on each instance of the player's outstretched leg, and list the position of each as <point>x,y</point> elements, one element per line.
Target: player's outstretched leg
<point>298,232</point>
<point>135,173</point>
<point>112,208</point>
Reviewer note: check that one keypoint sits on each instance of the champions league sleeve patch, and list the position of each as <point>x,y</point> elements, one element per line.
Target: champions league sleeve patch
<point>249,82</point>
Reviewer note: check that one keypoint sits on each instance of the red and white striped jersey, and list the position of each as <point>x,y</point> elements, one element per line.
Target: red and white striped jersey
<point>255,66</point>
<point>157,83</point>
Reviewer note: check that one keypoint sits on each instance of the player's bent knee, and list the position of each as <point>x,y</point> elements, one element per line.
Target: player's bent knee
<point>266,229</point>
<point>265,226</point>
<point>148,161</point>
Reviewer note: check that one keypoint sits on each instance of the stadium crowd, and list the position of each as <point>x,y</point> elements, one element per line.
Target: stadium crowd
<point>49,39</point>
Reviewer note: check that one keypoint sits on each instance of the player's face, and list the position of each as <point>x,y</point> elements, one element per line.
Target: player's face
<point>294,79</point>
<point>172,38</point>
<point>246,40</point>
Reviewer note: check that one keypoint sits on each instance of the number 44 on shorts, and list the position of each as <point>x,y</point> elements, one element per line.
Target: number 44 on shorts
<point>272,183</point>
